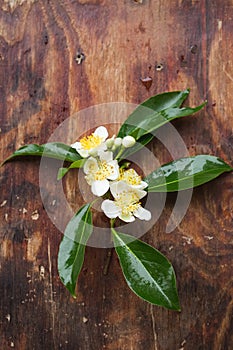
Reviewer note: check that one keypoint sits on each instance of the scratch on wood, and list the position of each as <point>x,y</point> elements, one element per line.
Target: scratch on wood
<point>42,272</point>
<point>154,329</point>
<point>220,29</point>
<point>35,215</point>
<point>227,74</point>
<point>3,203</point>
<point>12,4</point>
<point>33,247</point>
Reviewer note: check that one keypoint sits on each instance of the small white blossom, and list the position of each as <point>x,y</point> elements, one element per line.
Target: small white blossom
<point>128,141</point>
<point>126,204</point>
<point>100,171</point>
<point>132,178</point>
<point>92,144</point>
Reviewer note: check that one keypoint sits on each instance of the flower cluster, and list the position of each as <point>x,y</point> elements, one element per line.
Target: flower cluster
<point>103,173</point>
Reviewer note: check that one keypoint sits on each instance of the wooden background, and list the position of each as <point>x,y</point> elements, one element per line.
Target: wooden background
<point>178,44</point>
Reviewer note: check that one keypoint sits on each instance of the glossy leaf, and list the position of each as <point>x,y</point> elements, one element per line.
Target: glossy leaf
<point>54,150</point>
<point>186,173</point>
<point>144,125</point>
<point>150,115</point>
<point>62,172</point>
<point>147,272</point>
<point>155,103</point>
<point>72,247</point>
<point>75,165</point>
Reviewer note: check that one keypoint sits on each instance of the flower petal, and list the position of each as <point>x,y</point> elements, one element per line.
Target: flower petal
<point>102,132</point>
<point>142,185</point>
<point>140,193</point>
<point>83,152</point>
<point>142,214</point>
<point>118,187</point>
<point>110,209</point>
<point>101,147</point>
<point>127,218</point>
<point>99,188</point>
<point>107,156</point>
<point>115,171</point>
<point>76,145</point>
<point>113,188</point>
<point>90,166</point>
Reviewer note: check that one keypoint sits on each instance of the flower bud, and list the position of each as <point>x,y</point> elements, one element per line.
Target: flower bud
<point>109,142</point>
<point>128,141</point>
<point>118,142</point>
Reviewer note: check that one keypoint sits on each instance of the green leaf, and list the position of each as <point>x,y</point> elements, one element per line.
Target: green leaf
<point>63,171</point>
<point>146,110</point>
<point>147,272</point>
<point>55,150</point>
<point>72,247</point>
<point>146,125</point>
<point>186,173</point>
<point>77,164</point>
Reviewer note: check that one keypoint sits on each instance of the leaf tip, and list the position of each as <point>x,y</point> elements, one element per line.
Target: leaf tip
<point>176,307</point>
<point>61,173</point>
<point>5,161</point>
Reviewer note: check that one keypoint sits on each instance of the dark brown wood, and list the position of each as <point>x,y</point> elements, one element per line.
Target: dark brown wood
<point>176,44</point>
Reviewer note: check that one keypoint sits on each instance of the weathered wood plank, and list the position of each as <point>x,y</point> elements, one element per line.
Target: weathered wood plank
<point>179,44</point>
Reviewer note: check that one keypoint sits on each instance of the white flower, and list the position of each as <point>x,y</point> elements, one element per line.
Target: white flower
<point>92,144</point>
<point>132,178</point>
<point>128,141</point>
<point>100,171</point>
<point>126,204</point>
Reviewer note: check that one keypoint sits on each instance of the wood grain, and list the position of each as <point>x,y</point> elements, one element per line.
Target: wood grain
<point>178,44</point>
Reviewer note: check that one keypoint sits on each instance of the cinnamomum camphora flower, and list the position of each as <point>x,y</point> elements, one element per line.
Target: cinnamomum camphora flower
<point>90,145</point>
<point>126,204</point>
<point>131,177</point>
<point>99,171</point>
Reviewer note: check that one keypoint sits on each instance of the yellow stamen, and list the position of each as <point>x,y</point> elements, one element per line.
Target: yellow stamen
<point>91,141</point>
<point>130,177</point>
<point>105,170</point>
<point>128,202</point>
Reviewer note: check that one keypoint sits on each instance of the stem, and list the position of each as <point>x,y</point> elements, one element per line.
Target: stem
<point>120,152</point>
<point>109,253</point>
<point>112,221</point>
<point>95,200</point>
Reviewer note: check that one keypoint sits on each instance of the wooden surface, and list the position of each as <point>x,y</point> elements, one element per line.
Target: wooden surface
<point>179,44</point>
